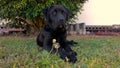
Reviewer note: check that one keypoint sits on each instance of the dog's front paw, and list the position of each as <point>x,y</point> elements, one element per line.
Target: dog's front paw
<point>65,58</point>
<point>72,59</point>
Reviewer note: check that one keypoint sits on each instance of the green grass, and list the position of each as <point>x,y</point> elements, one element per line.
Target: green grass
<point>93,52</point>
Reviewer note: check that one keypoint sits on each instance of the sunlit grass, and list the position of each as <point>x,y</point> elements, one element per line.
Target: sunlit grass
<point>100,52</point>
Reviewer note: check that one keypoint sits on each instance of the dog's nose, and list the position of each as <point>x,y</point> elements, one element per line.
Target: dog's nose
<point>61,20</point>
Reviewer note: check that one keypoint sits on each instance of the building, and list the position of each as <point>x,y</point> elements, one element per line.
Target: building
<point>81,28</point>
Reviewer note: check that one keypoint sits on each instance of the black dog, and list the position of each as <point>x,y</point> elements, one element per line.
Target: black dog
<point>55,28</point>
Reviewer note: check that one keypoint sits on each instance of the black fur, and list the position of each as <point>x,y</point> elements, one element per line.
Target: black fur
<point>55,28</point>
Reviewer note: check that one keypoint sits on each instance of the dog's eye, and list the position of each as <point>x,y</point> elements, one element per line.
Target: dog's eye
<point>63,12</point>
<point>54,13</point>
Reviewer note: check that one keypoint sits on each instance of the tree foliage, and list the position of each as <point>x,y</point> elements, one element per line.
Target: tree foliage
<point>31,11</point>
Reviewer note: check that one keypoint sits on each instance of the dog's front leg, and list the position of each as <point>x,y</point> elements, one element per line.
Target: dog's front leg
<point>62,53</point>
<point>48,46</point>
<point>69,52</point>
<point>47,43</point>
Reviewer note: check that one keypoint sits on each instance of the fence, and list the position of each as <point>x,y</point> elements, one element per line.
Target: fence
<point>78,28</point>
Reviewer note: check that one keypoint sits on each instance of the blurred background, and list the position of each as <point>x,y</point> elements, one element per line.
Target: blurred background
<point>100,12</point>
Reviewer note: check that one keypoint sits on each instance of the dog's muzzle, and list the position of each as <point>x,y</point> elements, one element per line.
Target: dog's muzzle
<point>61,26</point>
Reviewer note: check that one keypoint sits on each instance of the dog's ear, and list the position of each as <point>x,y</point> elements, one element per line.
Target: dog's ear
<point>45,12</point>
<point>68,12</point>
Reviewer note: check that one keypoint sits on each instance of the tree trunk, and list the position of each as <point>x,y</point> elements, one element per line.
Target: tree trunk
<point>32,26</point>
<point>37,24</point>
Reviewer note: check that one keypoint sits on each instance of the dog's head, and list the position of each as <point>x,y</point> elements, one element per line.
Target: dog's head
<point>56,16</point>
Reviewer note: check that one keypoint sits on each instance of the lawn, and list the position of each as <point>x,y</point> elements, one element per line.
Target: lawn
<point>93,52</point>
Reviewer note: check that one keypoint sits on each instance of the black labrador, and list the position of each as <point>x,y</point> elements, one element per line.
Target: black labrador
<point>55,28</point>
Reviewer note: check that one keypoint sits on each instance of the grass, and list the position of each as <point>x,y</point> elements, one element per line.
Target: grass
<point>93,52</point>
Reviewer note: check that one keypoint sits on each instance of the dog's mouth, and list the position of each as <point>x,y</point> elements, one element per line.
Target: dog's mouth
<point>61,26</point>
